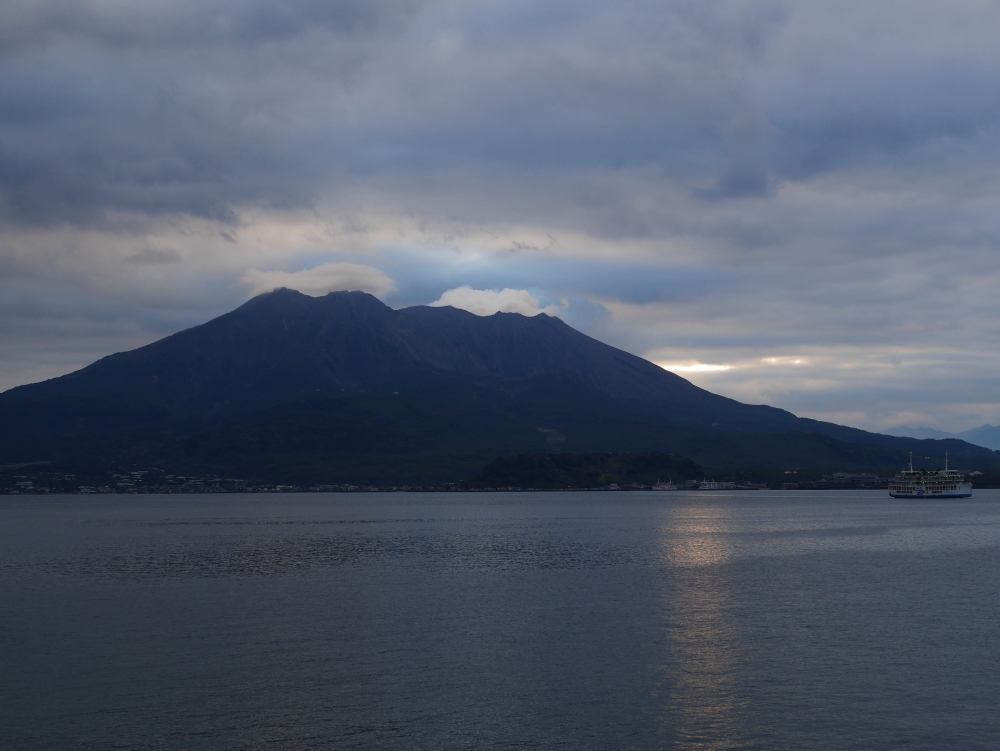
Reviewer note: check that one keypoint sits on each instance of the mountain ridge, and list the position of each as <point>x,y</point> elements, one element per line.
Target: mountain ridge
<point>359,379</point>
<point>986,435</point>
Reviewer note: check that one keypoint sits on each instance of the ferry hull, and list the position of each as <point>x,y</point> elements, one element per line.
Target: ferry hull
<point>931,495</point>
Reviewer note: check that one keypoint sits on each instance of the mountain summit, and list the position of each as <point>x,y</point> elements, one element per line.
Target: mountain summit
<point>344,388</point>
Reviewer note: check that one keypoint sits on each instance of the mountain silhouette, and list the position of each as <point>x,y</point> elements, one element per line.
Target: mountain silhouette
<point>987,436</point>
<point>345,388</point>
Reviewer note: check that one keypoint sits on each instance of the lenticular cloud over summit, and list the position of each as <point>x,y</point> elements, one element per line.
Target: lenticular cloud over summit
<point>485,302</point>
<point>753,183</point>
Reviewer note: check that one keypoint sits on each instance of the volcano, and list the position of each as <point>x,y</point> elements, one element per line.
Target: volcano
<point>343,388</point>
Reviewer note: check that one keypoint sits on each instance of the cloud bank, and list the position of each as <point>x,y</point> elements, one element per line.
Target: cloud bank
<point>486,302</point>
<point>725,182</point>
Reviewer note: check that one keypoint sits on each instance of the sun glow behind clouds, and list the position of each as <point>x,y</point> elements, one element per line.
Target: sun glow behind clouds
<point>891,387</point>
<point>784,361</point>
<point>696,366</point>
<point>693,367</point>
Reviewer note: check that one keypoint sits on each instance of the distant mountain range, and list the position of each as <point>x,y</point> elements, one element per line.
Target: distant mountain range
<point>343,388</point>
<point>987,435</point>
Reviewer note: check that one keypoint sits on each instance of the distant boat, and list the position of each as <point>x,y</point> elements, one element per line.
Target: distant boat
<point>709,485</point>
<point>665,485</point>
<point>942,483</point>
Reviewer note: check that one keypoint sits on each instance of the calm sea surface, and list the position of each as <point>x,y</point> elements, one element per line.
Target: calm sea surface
<point>748,620</point>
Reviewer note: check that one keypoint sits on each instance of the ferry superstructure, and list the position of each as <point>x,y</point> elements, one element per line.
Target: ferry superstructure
<point>942,483</point>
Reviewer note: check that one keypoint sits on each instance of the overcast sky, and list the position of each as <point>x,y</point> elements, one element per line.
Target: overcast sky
<point>795,204</point>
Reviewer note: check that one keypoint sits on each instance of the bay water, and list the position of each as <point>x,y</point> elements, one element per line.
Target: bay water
<point>590,620</point>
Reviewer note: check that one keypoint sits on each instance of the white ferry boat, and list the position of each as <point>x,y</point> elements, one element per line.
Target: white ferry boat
<point>665,485</point>
<point>942,483</point>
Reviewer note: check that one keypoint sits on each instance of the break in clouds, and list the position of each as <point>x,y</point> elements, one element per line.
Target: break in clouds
<point>789,203</point>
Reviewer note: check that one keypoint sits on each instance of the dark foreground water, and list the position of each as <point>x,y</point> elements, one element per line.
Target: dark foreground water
<point>550,620</point>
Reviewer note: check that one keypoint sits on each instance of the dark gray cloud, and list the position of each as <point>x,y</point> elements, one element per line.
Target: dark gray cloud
<point>201,108</point>
<point>170,108</point>
<point>186,25</point>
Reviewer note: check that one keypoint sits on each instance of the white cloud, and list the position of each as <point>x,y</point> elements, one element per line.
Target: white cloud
<point>693,367</point>
<point>330,277</point>
<point>486,302</point>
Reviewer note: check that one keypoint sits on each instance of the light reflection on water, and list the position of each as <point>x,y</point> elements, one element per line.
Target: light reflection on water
<point>704,707</point>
